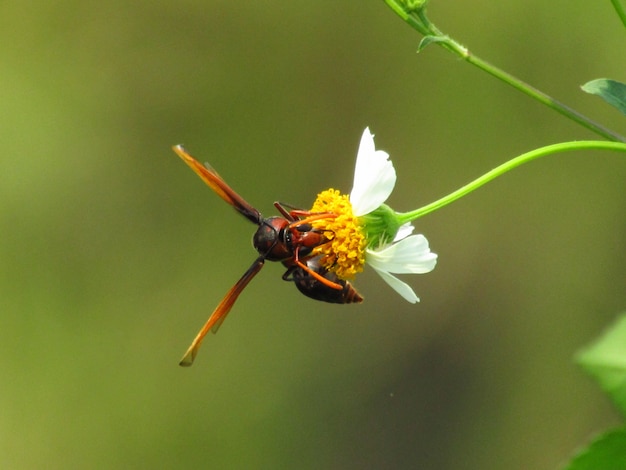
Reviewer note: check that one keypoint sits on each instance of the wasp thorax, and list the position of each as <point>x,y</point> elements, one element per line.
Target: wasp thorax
<point>269,239</point>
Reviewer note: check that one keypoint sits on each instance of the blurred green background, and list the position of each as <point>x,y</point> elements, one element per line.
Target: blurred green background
<point>114,253</point>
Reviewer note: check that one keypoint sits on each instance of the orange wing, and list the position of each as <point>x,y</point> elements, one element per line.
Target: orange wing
<point>219,314</point>
<point>217,184</point>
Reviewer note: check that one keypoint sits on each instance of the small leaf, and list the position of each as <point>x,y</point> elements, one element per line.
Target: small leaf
<point>607,452</point>
<point>611,91</point>
<point>605,360</point>
<point>428,40</point>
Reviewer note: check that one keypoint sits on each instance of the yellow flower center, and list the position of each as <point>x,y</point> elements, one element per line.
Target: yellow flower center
<point>344,253</point>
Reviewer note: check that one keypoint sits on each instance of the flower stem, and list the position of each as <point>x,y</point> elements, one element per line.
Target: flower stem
<point>504,168</point>
<point>416,17</point>
<point>619,8</point>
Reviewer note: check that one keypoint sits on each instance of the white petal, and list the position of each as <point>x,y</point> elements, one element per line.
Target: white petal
<point>374,177</point>
<point>400,287</point>
<point>404,231</point>
<point>409,255</point>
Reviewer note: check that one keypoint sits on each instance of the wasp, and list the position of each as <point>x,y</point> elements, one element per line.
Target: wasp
<point>312,287</point>
<point>288,238</point>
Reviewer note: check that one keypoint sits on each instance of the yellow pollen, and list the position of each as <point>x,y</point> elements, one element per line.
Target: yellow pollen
<point>344,252</point>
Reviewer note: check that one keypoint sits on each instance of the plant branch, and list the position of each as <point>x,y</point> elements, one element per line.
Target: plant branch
<point>413,13</point>
<point>506,167</point>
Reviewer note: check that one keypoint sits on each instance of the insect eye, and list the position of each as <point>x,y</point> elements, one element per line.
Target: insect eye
<point>304,227</point>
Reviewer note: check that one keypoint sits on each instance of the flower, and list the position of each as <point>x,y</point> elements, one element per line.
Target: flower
<point>366,231</point>
<point>344,252</point>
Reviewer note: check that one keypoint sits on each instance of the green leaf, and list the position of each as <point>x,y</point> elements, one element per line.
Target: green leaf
<point>428,40</point>
<point>611,91</point>
<point>608,452</point>
<point>605,360</point>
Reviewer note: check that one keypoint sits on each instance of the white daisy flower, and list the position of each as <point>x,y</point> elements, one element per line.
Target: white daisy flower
<point>367,231</point>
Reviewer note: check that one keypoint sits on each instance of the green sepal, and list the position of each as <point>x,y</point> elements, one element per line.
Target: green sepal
<point>414,5</point>
<point>380,226</point>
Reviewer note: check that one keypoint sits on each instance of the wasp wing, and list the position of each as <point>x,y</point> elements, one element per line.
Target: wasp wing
<point>220,312</point>
<point>217,184</point>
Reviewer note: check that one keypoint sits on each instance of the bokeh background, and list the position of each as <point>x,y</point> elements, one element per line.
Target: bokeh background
<point>113,253</point>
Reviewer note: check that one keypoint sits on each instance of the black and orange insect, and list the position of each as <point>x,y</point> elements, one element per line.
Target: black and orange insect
<point>289,238</point>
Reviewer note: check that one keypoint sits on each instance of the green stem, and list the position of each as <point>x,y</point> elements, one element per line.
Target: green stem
<point>417,19</point>
<point>543,98</point>
<point>504,168</point>
<point>619,8</point>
